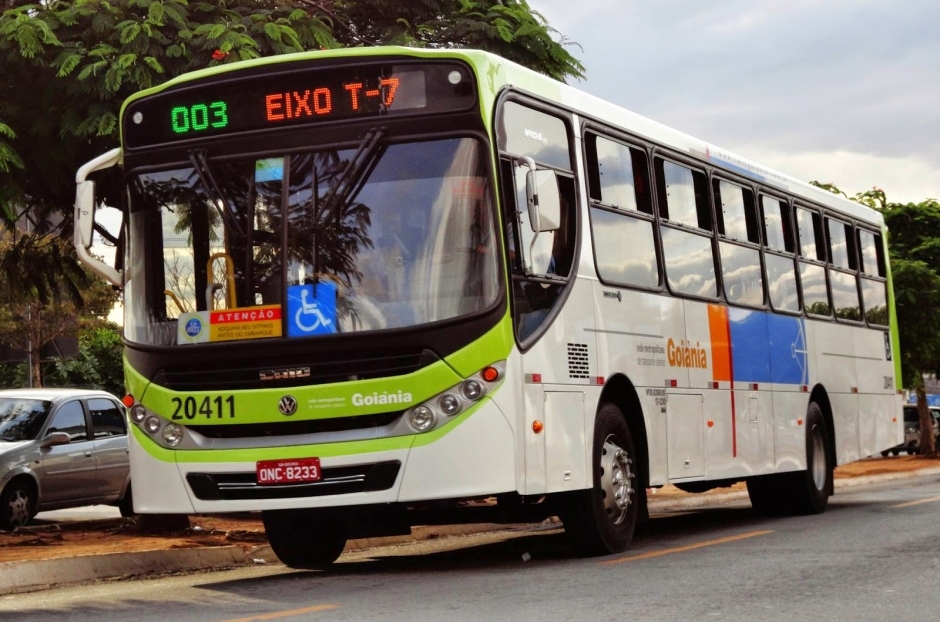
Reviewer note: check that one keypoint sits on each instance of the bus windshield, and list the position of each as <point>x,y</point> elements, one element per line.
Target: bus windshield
<point>376,236</point>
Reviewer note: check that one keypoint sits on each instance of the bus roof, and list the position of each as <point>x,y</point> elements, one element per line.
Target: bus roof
<point>496,73</point>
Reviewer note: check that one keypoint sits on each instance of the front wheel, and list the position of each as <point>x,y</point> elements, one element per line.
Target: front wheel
<point>17,505</point>
<point>303,541</point>
<point>602,520</point>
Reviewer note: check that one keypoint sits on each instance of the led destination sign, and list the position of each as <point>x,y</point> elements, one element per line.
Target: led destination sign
<point>280,98</point>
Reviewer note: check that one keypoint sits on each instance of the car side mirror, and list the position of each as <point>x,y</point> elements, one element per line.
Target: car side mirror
<point>55,438</point>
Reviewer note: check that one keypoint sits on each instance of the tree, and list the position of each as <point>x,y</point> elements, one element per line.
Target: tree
<point>46,293</point>
<point>914,248</point>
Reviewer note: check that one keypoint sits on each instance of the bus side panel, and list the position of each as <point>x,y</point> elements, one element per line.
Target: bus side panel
<point>633,331</point>
<point>878,401</point>
<point>789,408</point>
<point>158,486</point>
<point>835,351</point>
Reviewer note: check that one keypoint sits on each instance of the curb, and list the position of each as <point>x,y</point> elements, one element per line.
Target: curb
<point>24,576</point>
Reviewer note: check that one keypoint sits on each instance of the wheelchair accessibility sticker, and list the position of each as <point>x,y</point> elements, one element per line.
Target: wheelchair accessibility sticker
<point>311,309</point>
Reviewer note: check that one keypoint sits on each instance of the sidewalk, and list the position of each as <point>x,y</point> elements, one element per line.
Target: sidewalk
<point>75,549</point>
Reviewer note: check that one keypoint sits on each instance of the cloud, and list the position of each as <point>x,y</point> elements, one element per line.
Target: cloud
<point>799,77</point>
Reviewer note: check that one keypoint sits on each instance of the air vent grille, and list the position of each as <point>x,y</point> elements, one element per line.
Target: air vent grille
<point>578,361</point>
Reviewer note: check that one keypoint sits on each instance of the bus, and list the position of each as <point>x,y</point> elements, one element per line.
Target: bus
<point>368,289</point>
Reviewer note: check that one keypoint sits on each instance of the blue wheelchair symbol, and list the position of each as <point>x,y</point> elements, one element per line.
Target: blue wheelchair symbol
<point>311,309</point>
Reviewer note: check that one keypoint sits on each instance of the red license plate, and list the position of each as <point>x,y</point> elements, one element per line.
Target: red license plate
<point>297,471</point>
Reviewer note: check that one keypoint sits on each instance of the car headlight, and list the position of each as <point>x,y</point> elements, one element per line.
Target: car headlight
<point>152,424</point>
<point>138,413</point>
<point>421,418</point>
<point>438,409</point>
<point>172,434</point>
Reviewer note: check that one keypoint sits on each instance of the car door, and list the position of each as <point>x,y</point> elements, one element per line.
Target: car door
<point>69,470</point>
<point>110,438</point>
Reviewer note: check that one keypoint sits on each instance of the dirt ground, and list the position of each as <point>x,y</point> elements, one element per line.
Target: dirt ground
<point>119,535</point>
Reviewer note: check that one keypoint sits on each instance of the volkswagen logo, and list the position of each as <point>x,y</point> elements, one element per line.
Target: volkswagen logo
<point>287,405</point>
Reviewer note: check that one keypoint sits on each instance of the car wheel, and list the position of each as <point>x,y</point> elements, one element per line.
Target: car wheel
<point>17,505</point>
<point>303,540</point>
<point>895,452</point>
<point>885,453</point>
<point>126,504</point>
<point>602,520</point>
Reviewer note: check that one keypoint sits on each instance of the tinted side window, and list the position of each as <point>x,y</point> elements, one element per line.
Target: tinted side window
<point>107,418</point>
<point>625,249</point>
<point>872,254</point>
<point>736,212</point>
<point>840,244</point>
<point>617,175</point>
<point>527,132</point>
<point>70,418</point>
<point>808,225</point>
<point>683,197</point>
<point>781,283</point>
<point>875,297</point>
<point>690,264</point>
<point>778,230</point>
<point>815,293</point>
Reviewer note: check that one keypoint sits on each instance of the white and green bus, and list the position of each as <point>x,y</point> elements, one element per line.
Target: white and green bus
<point>368,289</point>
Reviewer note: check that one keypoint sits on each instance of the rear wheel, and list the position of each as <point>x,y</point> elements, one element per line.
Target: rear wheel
<point>799,492</point>
<point>17,505</point>
<point>302,540</point>
<point>602,520</point>
<point>126,504</point>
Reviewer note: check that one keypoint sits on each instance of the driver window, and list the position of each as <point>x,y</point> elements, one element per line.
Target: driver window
<point>70,418</point>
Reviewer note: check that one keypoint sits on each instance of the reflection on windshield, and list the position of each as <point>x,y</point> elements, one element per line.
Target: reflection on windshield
<point>369,238</point>
<point>22,419</point>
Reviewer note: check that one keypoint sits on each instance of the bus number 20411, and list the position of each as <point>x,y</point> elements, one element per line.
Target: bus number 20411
<point>209,407</point>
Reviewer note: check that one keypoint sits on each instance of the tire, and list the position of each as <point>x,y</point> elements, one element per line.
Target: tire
<point>885,453</point>
<point>799,492</point>
<point>895,452</point>
<point>301,540</point>
<point>602,520</point>
<point>17,505</point>
<point>126,504</point>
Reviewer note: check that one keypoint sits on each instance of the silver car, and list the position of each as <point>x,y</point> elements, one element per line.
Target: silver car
<point>61,448</point>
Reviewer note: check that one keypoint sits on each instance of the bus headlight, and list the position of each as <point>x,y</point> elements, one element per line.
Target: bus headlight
<point>138,413</point>
<point>450,405</point>
<point>152,424</point>
<point>421,418</point>
<point>472,390</point>
<point>172,434</point>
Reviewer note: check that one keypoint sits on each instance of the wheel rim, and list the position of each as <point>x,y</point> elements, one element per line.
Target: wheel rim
<point>819,459</point>
<point>616,480</point>
<point>18,508</point>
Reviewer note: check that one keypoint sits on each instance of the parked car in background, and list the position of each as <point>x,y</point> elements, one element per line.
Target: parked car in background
<point>912,430</point>
<point>61,448</point>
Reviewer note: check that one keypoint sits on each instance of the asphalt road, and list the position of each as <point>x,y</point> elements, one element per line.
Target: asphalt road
<point>875,555</point>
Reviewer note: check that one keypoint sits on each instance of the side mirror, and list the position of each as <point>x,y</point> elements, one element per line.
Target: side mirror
<point>544,200</point>
<point>55,438</point>
<point>85,212</point>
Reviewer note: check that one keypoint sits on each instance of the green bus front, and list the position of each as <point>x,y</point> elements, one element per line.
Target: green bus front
<point>315,295</point>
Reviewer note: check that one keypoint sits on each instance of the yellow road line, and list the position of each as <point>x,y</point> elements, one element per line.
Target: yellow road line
<point>285,614</point>
<point>689,547</point>
<point>918,502</point>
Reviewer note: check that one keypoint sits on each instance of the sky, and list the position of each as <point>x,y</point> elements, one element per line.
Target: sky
<point>838,91</point>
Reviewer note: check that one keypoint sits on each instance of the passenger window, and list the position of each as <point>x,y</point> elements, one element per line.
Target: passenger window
<point>690,264</point>
<point>875,297</point>
<point>872,253</point>
<point>107,418</point>
<point>777,225</point>
<point>781,283</point>
<point>70,418</point>
<point>808,225</point>
<point>625,249</point>
<point>840,244</point>
<point>683,195</point>
<point>815,292</point>
<point>845,302</point>
<point>617,175</point>
<point>736,212</point>
<point>741,274</point>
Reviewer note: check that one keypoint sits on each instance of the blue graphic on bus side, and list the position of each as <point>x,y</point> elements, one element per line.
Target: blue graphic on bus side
<point>767,347</point>
<point>311,309</point>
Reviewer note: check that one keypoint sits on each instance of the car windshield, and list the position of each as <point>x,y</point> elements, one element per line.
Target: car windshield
<point>374,237</point>
<point>22,419</point>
